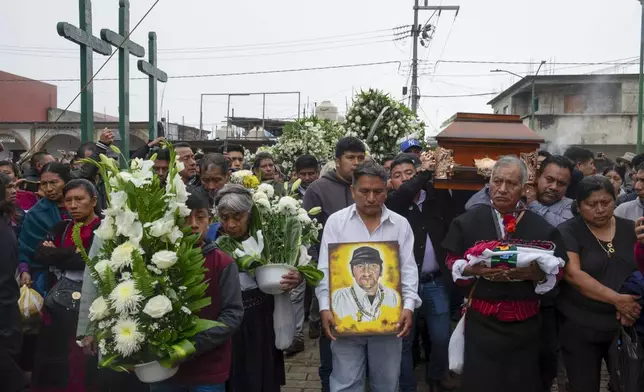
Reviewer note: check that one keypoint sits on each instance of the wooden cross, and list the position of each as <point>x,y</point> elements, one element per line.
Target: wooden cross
<point>126,47</point>
<point>83,37</point>
<point>155,74</point>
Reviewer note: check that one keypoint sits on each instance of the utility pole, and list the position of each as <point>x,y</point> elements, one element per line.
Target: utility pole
<point>415,32</point>
<point>640,106</point>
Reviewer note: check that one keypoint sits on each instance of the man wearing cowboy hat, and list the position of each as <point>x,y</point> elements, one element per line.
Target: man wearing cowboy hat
<point>364,299</point>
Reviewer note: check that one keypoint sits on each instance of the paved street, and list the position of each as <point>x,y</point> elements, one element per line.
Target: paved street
<point>302,371</point>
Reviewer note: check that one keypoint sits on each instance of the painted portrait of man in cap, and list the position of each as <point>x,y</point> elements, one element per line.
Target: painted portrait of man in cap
<point>365,298</point>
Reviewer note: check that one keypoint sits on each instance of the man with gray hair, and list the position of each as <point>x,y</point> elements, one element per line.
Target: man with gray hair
<point>503,331</point>
<point>368,220</point>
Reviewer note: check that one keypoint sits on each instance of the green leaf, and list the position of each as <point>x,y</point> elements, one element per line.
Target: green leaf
<point>292,240</point>
<point>311,274</point>
<point>199,289</point>
<point>199,304</point>
<point>228,244</point>
<point>200,326</point>
<point>249,263</point>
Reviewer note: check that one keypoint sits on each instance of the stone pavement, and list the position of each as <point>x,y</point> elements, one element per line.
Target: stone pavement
<point>302,371</point>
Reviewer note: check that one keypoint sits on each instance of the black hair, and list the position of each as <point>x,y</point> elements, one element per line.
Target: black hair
<point>85,147</point>
<point>637,160</point>
<point>198,199</point>
<point>639,167</point>
<point>6,208</point>
<point>579,155</point>
<point>349,144</point>
<point>58,168</point>
<point>214,160</point>
<point>306,162</point>
<point>619,169</point>
<point>543,153</point>
<point>182,145</point>
<point>587,186</point>
<point>260,157</point>
<point>388,157</point>
<point>81,183</point>
<point>231,148</point>
<point>37,158</point>
<point>163,154</point>
<point>369,168</point>
<point>13,166</point>
<point>558,160</point>
<point>404,158</point>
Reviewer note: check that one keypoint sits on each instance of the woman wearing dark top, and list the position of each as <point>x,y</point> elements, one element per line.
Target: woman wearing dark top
<point>11,376</point>
<point>60,363</point>
<point>600,251</point>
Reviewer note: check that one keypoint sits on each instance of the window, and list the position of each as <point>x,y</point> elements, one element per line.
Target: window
<point>574,104</point>
<point>536,104</point>
<point>505,109</point>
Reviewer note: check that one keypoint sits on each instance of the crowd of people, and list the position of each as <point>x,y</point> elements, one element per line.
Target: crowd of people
<point>587,211</point>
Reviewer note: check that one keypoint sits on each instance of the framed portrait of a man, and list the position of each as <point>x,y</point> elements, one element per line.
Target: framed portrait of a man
<point>364,286</point>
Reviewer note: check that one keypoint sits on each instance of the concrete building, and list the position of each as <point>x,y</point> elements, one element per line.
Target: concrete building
<point>598,112</point>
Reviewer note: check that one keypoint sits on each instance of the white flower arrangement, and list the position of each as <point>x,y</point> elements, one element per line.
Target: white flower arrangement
<point>397,121</point>
<point>147,271</point>
<point>280,233</point>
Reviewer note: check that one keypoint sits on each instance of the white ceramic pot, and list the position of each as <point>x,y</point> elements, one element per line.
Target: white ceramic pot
<point>269,276</point>
<point>153,372</point>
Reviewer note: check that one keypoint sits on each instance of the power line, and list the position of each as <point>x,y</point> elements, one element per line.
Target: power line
<point>459,95</point>
<point>263,45</point>
<point>92,78</point>
<point>524,62</point>
<point>197,76</point>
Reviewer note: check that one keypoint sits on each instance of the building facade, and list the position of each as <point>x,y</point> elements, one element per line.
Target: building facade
<point>598,112</point>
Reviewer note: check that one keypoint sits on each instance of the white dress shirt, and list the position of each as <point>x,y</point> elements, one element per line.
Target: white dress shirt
<point>344,302</point>
<point>347,226</point>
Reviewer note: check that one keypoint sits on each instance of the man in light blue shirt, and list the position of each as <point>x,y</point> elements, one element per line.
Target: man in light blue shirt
<point>368,220</point>
<point>550,201</point>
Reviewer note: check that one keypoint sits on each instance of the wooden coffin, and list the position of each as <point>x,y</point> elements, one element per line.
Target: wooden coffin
<point>473,136</point>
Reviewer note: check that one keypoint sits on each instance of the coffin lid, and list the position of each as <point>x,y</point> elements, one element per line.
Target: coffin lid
<point>494,127</point>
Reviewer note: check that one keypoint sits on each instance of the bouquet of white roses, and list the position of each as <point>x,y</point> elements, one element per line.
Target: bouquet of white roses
<point>279,234</point>
<point>149,275</point>
<point>381,121</point>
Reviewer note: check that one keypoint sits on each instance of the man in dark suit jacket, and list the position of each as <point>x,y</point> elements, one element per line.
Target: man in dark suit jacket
<point>429,212</point>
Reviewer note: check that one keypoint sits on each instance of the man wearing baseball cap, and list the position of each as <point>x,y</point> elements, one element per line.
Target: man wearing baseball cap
<point>411,146</point>
<point>364,299</point>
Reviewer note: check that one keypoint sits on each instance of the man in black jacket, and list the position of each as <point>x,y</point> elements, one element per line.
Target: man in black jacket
<point>429,212</point>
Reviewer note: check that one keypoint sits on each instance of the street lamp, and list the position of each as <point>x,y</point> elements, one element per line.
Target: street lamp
<point>534,79</point>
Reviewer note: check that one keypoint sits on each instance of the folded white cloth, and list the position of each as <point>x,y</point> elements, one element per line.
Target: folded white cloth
<point>545,259</point>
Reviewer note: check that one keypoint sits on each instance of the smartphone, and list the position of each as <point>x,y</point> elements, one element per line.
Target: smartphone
<point>30,186</point>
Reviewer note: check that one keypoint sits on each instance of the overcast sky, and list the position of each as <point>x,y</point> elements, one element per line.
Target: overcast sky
<point>197,37</point>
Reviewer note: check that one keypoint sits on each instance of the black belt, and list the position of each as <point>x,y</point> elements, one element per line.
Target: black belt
<point>426,277</point>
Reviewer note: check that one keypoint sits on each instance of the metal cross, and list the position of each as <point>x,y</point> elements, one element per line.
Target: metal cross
<point>125,48</point>
<point>83,37</point>
<point>150,68</point>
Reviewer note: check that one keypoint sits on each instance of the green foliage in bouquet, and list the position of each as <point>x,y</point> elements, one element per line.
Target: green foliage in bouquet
<point>149,274</point>
<point>381,122</point>
<point>280,232</point>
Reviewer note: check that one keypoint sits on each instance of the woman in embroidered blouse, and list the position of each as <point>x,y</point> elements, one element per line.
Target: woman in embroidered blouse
<point>60,363</point>
<point>257,365</point>
<point>600,251</point>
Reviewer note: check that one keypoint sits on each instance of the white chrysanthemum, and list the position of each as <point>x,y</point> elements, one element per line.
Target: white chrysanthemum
<point>164,259</point>
<point>101,267</point>
<point>304,218</point>
<point>259,195</point>
<point>99,309</point>
<point>263,204</point>
<point>127,337</point>
<point>266,189</point>
<point>158,306</point>
<point>122,256</point>
<point>288,204</point>
<point>106,229</point>
<point>126,297</point>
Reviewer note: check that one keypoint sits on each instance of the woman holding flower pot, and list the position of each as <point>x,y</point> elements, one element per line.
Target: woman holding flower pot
<point>257,365</point>
<point>59,361</point>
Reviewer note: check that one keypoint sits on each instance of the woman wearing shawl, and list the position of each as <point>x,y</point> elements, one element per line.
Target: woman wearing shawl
<point>60,362</point>
<point>38,221</point>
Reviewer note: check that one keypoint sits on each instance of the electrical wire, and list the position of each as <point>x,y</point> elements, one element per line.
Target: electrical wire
<point>460,95</point>
<point>49,125</point>
<point>216,75</point>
